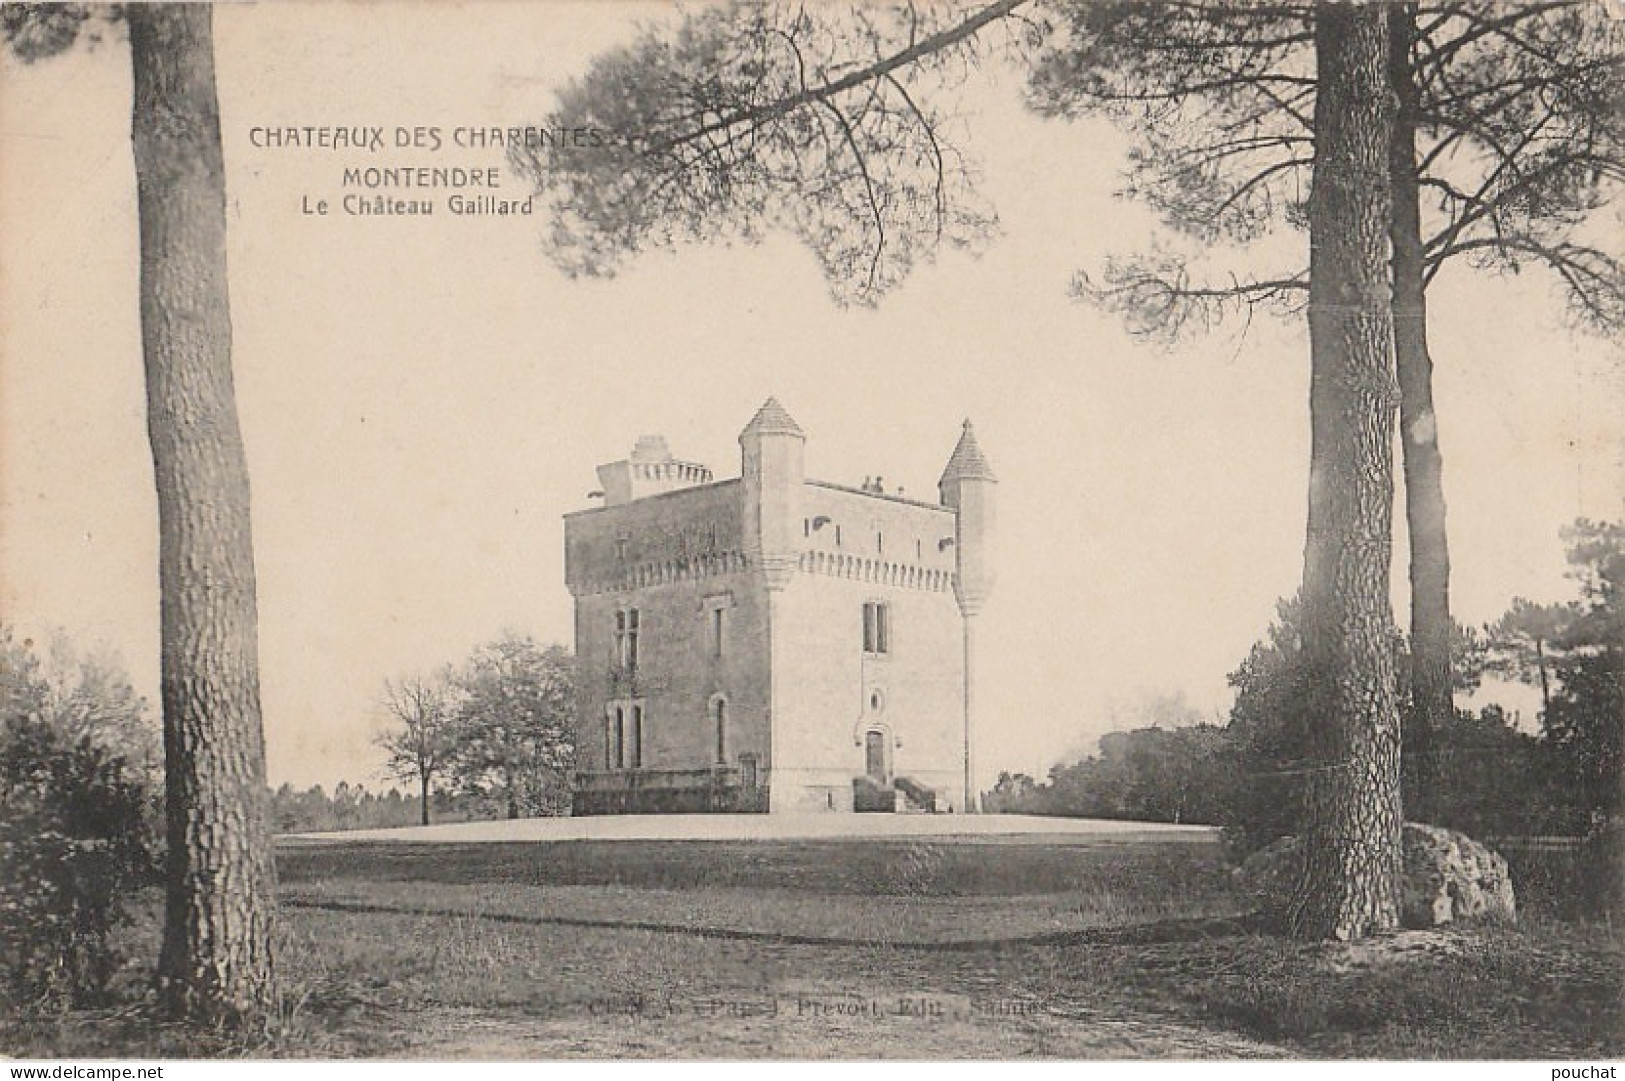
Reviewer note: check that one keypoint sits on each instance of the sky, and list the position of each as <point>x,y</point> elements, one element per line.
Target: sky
<point>423,399</point>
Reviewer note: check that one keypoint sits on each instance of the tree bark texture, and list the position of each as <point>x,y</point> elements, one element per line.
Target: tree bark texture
<point>215,965</point>
<point>1349,886</point>
<point>1432,705</point>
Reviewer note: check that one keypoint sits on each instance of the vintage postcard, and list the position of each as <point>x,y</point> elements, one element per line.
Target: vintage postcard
<point>774,531</point>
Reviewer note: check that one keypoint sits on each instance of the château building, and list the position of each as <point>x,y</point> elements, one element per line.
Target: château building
<point>772,642</point>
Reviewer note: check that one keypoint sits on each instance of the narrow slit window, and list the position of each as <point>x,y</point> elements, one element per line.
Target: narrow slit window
<point>637,736</point>
<point>721,717</point>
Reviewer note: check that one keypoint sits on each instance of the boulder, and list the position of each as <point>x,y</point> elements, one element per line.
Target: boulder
<point>1265,878</point>
<point>1451,877</point>
<point>1448,877</point>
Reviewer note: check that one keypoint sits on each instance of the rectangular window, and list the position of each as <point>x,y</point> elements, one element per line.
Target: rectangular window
<point>716,631</point>
<point>626,639</point>
<point>876,628</point>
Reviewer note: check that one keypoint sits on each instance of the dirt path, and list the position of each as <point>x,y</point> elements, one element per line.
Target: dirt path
<point>814,1025</point>
<point>811,950</point>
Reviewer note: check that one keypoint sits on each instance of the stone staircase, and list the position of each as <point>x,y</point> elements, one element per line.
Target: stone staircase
<point>903,796</point>
<point>915,798</point>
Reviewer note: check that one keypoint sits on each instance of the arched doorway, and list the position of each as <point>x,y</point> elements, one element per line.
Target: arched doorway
<point>874,756</point>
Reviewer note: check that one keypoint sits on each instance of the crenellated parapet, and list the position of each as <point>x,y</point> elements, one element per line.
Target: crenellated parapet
<point>877,571</point>
<point>649,470</point>
<point>682,473</point>
<point>662,572</point>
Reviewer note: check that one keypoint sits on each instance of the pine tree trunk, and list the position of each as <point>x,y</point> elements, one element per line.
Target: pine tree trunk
<point>1431,706</point>
<point>1545,681</point>
<point>423,784</point>
<point>1349,886</point>
<point>215,965</point>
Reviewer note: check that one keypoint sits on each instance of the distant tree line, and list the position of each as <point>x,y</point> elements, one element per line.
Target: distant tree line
<point>355,807</point>
<point>1486,776</point>
<point>1148,774</point>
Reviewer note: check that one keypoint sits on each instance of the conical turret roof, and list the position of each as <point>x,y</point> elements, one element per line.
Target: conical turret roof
<point>772,419</point>
<point>968,462</point>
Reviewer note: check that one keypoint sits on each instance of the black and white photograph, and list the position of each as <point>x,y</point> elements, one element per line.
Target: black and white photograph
<point>926,531</point>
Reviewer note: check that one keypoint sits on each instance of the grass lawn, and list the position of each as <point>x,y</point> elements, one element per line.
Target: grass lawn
<point>829,949</point>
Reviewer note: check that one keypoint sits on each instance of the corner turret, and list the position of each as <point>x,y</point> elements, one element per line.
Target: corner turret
<point>967,485</point>
<point>772,467</point>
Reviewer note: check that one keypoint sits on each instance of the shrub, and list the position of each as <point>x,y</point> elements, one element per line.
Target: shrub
<point>75,845</point>
<point>1602,859</point>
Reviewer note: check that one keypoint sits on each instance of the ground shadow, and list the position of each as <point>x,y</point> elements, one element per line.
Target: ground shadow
<point>867,867</point>
<point>1150,933</point>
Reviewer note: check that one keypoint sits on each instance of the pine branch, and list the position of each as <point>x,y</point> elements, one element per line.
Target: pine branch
<point>821,94</point>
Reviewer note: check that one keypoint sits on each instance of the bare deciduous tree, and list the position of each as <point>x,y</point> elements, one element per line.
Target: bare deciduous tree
<point>419,748</point>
